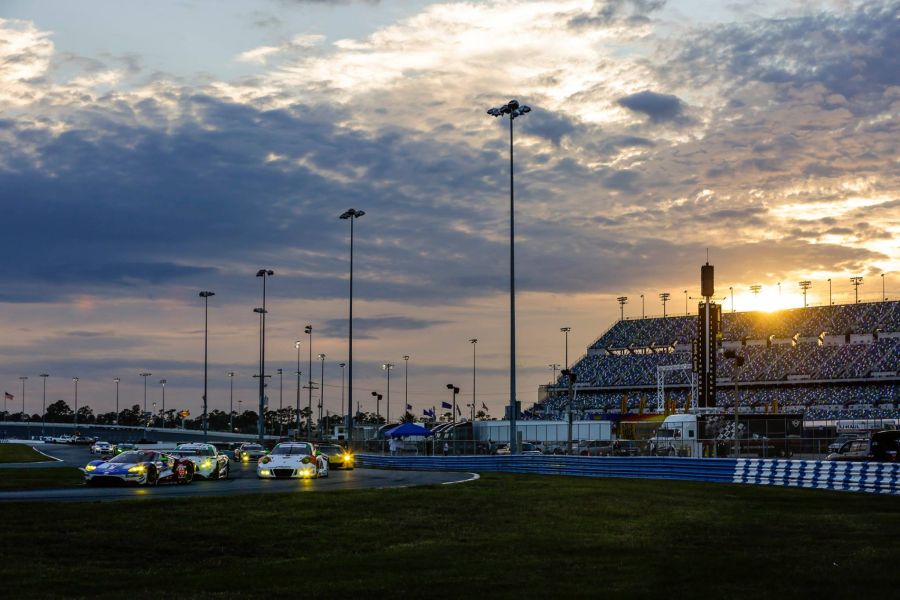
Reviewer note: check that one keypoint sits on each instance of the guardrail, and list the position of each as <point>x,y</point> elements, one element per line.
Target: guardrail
<point>883,478</point>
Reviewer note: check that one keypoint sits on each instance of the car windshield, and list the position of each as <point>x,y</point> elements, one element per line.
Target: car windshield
<point>134,457</point>
<point>183,452</point>
<point>331,450</point>
<point>292,449</point>
<point>204,451</point>
<point>252,447</point>
<point>527,447</point>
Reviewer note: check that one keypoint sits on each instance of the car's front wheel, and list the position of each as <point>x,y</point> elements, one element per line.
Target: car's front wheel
<point>152,475</point>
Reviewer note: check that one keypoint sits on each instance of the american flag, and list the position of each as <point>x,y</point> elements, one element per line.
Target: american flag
<point>8,396</point>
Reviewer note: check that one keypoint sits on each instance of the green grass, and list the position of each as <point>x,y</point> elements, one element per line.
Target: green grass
<point>503,536</point>
<point>32,479</point>
<point>16,453</point>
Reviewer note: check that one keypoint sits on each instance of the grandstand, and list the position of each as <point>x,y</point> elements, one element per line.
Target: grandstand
<point>829,362</point>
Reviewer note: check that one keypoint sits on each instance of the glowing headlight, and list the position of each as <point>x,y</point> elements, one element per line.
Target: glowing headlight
<point>90,467</point>
<point>137,469</point>
<point>264,472</point>
<point>245,457</point>
<point>206,464</point>
<point>348,458</point>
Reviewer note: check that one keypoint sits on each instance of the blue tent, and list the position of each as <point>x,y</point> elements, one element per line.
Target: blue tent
<point>409,429</point>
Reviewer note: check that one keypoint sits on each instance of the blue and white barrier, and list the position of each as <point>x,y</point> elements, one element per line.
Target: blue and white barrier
<point>883,478</point>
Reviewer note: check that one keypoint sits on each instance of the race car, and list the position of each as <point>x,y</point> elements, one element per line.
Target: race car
<point>208,462</point>
<point>293,460</point>
<point>102,448</point>
<point>248,451</point>
<point>141,467</point>
<point>337,457</point>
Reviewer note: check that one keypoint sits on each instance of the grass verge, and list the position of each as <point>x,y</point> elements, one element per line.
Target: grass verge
<point>32,479</point>
<point>503,536</point>
<point>16,453</point>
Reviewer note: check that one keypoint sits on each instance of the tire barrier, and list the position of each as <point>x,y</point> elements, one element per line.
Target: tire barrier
<point>872,477</point>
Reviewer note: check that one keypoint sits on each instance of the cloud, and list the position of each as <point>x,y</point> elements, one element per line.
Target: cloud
<point>366,327</point>
<point>264,54</point>
<point>659,107</point>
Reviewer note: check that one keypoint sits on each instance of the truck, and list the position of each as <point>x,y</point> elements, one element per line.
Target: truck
<point>713,435</point>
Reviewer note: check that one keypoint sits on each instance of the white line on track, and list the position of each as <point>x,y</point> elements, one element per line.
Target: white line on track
<point>474,476</point>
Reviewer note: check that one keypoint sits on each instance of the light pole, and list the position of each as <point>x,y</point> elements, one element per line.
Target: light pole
<point>406,384</point>
<point>377,405</point>
<point>342,365</point>
<point>145,376</point>
<point>265,274</point>
<point>231,402</point>
<point>153,418</point>
<point>643,313</point>
<point>321,392</point>
<point>686,311</point>
<point>555,368</point>
<point>23,379</point>
<point>308,331</point>
<point>883,295</point>
<point>297,345</point>
<point>75,381</point>
<point>571,377</point>
<point>455,390</point>
<point>804,285</point>
<point>622,300</point>
<point>280,397</point>
<point>205,295</point>
<point>731,289</point>
<point>117,380</point>
<point>387,367</point>
<point>351,215</point>
<point>566,331</point>
<point>664,296</point>
<point>513,109</point>
<point>856,281</point>
<point>474,342</point>
<point>162,382</point>
<point>44,376</point>
<point>829,292</point>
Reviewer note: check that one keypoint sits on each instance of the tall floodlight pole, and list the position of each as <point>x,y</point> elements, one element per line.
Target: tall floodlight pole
<point>297,345</point>
<point>686,312</point>
<point>351,215</point>
<point>23,379</point>
<point>205,295</point>
<point>342,365</point>
<point>265,274</point>
<point>406,384</point>
<point>453,390</point>
<point>474,342</point>
<point>883,295</point>
<point>804,285</point>
<point>387,367</point>
<point>44,376</point>
<point>566,331</point>
<point>116,380</point>
<point>623,300</point>
<point>231,402</point>
<point>731,289</point>
<point>643,312</point>
<point>829,292</point>
<point>571,377</point>
<point>664,296</point>
<point>75,381</point>
<point>513,109</point>
<point>308,331</point>
<point>856,281</point>
<point>163,382</point>
<point>321,394</point>
<point>280,397</point>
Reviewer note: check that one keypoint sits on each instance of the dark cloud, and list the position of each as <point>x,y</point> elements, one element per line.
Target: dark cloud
<point>366,327</point>
<point>606,12</point>
<point>658,107</point>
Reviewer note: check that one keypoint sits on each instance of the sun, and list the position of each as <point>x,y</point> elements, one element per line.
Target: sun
<point>767,300</point>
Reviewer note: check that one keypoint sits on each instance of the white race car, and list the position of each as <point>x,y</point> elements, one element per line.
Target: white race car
<point>103,448</point>
<point>208,462</point>
<point>297,460</point>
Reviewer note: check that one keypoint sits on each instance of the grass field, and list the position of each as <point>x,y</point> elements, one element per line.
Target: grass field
<point>503,536</point>
<point>31,479</point>
<point>15,453</point>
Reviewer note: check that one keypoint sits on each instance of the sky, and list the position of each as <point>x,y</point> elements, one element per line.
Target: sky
<point>152,150</point>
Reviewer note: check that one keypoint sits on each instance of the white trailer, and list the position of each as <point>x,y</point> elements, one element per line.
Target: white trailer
<point>552,432</point>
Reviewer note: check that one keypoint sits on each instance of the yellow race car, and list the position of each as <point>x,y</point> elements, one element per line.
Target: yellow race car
<point>338,458</point>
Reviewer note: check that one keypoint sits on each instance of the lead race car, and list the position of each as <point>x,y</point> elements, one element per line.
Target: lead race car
<point>141,467</point>
<point>293,460</point>
<point>208,462</point>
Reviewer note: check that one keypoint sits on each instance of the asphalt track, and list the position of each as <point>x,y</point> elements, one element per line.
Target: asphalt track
<point>242,480</point>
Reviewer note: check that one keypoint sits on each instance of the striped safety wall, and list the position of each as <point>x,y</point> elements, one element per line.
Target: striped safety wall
<point>846,476</point>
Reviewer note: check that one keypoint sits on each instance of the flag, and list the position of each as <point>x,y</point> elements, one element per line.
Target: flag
<point>8,396</point>
<point>409,407</point>
<point>443,404</point>
<point>484,406</point>
<point>459,412</point>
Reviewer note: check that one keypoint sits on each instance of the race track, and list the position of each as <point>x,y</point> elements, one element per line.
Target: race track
<point>242,480</point>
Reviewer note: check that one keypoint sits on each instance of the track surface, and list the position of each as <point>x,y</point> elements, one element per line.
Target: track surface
<point>242,480</point>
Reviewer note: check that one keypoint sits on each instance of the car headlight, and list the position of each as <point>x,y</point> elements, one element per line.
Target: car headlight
<point>137,469</point>
<point>245,457</point>
<point>348,458</point>
<point>90,467</point>
<point>206,464</point>
<point>264,472</point>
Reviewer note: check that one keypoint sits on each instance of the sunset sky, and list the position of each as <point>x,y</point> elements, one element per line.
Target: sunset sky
<point>152,150</point>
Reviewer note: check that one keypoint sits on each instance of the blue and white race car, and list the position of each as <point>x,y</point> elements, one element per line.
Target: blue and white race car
<point>141,467</point>
<point>209,463</point>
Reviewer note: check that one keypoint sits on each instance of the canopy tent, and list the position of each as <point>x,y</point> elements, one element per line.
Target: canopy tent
<point>409,429</point>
